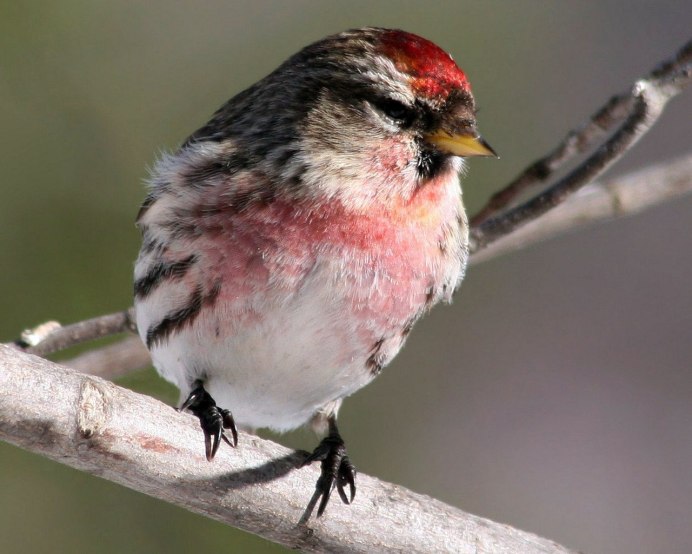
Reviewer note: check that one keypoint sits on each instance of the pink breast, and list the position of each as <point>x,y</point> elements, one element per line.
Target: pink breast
<point>389,257</point>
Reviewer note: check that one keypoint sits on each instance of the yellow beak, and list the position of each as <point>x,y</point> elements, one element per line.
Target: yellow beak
<point>461,145</point>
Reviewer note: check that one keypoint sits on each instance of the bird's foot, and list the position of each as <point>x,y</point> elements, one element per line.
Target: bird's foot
<point>213,420</point>
<point>337,471</point>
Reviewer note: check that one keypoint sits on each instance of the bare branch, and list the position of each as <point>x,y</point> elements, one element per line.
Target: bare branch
<point>134,440</point>
<point>51,337</point>
<point>112,361</point>
<point>643,106</point>
<point>600,201</point>
<point>578,141</point>
<point>98,427</point>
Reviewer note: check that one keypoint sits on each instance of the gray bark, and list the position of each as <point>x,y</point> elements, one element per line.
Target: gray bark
<point>136,441</point>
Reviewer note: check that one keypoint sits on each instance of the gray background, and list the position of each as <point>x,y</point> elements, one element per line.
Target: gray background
<point>554,395</point>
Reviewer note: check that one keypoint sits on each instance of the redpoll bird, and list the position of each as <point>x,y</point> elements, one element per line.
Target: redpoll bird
<point>292,242</point>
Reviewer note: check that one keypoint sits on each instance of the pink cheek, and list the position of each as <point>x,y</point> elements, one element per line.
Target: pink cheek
<point>391,158</point>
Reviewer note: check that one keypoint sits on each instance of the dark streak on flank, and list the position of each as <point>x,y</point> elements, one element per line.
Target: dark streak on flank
<point>177,320</point>
<point>376,360</point>
<point>162,272</point>
<point>150,244</point>
<point>430,295</point>
<point>408,326</point>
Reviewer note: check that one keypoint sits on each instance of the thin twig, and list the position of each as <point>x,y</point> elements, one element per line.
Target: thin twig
<point>577,142</point>
<point>600,201</point>
<point>98,427</point>
<point>131,439</point>
<point>58,338</point>
<point>641,107</point>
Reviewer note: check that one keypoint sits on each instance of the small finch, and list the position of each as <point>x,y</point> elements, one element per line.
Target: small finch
<point>290,244</point>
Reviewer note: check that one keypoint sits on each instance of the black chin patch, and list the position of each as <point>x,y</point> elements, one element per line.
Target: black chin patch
<point>431,163</point>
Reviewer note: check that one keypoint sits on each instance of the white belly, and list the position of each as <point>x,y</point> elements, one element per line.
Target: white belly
<point>276,366</point>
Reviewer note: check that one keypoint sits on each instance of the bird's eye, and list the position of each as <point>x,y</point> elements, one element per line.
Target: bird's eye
<point>398,111</point>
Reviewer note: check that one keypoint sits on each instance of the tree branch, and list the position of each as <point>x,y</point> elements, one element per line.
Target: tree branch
<point>50,337</point>
<point>97,427</point>
<point>600,201</point>
<point>640,107</point>
<point>577,142</point>
<point>112,361</point>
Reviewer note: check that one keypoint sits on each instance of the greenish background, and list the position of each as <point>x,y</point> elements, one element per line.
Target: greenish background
<point>554,395</point>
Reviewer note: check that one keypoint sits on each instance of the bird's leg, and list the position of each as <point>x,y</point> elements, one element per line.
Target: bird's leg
<point>337,470</point>
<point>213,420</point>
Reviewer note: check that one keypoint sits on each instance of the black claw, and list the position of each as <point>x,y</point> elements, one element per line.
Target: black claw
<point>213,420</point>
<point>337,472</point>
<point>347,476</point>
<point>229,423</point>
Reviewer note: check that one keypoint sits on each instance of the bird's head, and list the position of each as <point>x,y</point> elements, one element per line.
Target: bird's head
<point>364,115</point>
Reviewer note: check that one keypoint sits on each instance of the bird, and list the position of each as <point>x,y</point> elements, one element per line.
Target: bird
<point>290,244</point>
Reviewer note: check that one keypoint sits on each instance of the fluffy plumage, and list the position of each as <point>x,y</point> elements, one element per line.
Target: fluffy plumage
<point>292,242</point>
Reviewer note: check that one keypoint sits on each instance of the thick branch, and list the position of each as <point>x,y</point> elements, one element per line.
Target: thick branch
<point>138,442</point>
<point>98,427</point>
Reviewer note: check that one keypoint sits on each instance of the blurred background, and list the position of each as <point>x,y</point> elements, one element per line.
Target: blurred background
<point>555,394</point>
